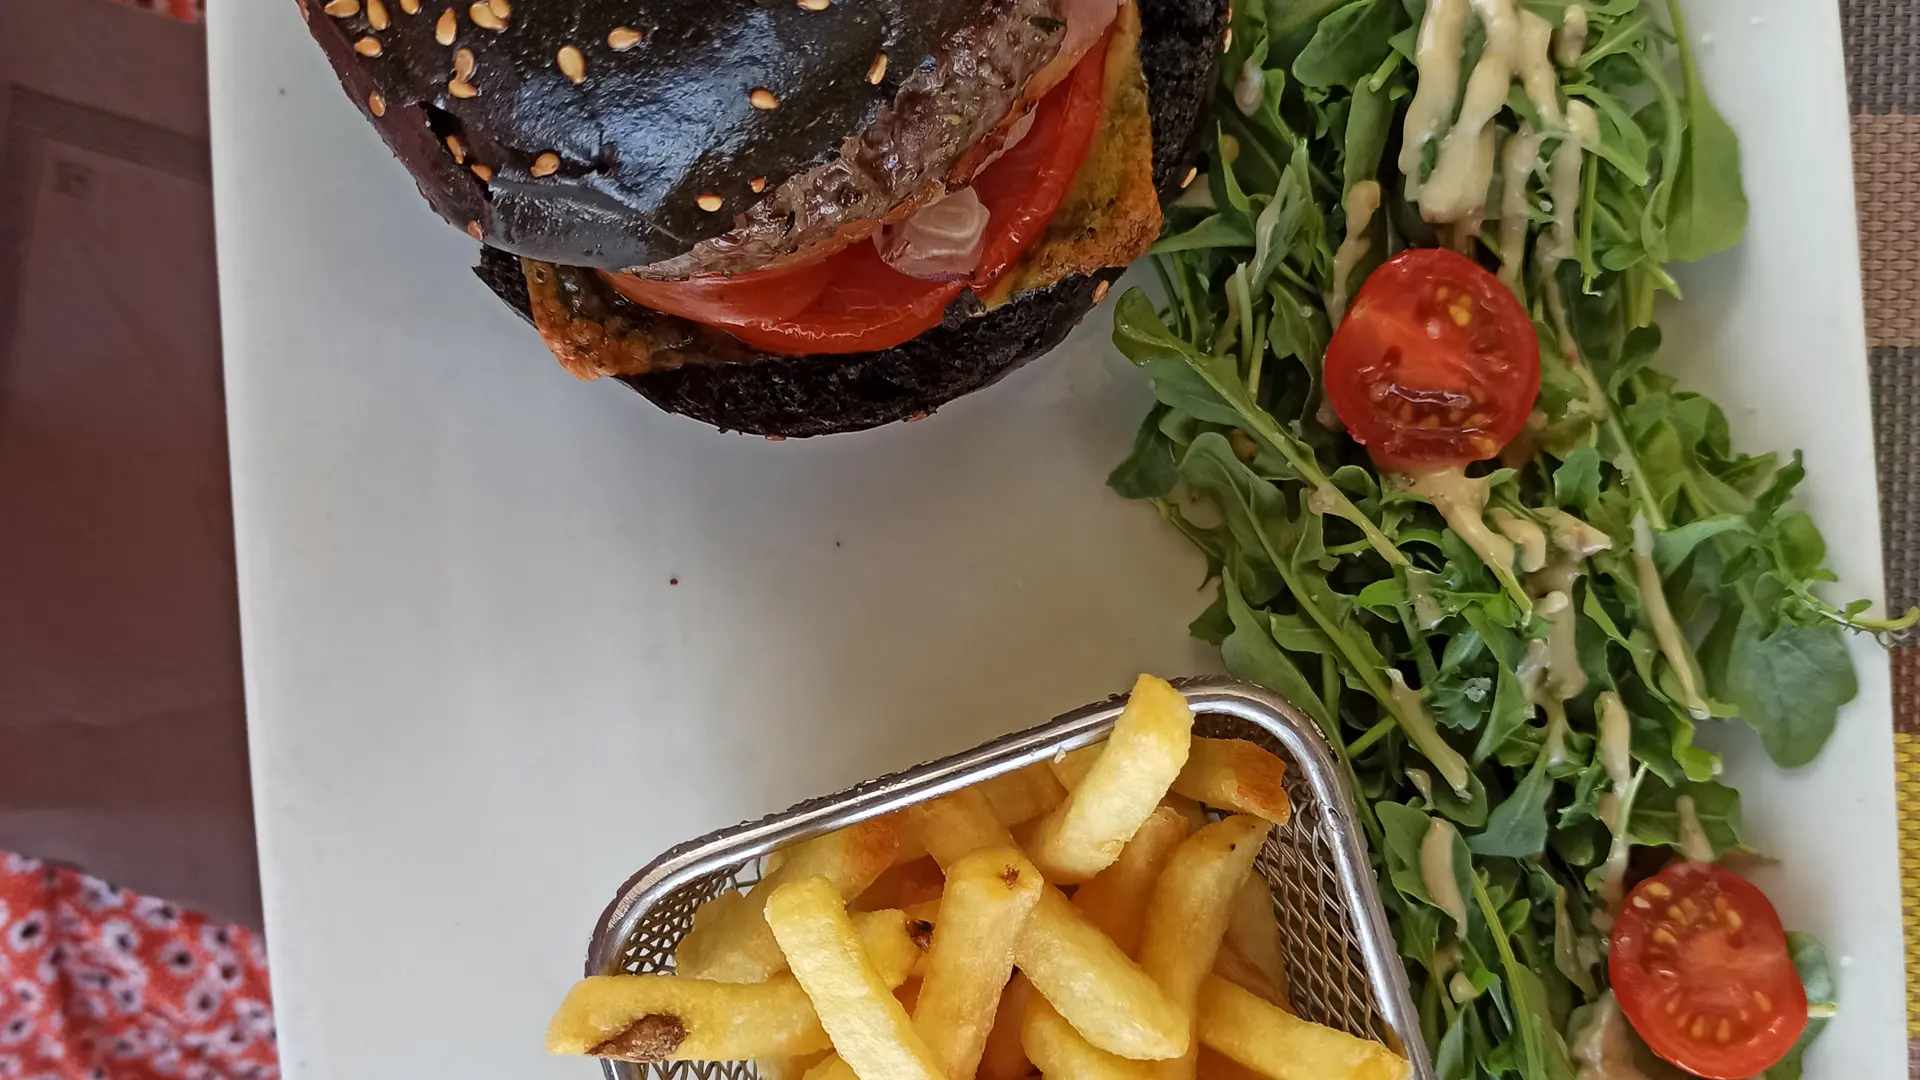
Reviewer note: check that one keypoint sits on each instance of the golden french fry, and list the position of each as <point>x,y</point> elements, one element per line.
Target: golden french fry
<point>1281,1046</point>
<point>1215,1065</point>
<point>831,1067</point>
<point>1023,794</point>
<point>1253,935</point>
<point>1004,1058</point>
<point>1187,916</point>
<point>1239,971</point>
<point>1107,998</point>
<point>1236,775</point>
<point>1061,1054</point>
<point>1195,814</point>
<point>675,1018</point>
<point>925,913</point>
<point>869,1027</point>
<point>648,1018</point>
<point>1116,899</point>
<point>736,946</point>
<point>903,885</point>
<point>1147,749</point>
<point>989,895</point>
<point>954,825</point>
<point>789,1068</point>
<point>1071,768</point>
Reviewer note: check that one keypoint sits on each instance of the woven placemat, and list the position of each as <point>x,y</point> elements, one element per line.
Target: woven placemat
<point>1883,78</point>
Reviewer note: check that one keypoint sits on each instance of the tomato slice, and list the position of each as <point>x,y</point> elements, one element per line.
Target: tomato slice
<point>852,301</point>
<point>1700,966</point>
<point>1435,363</point>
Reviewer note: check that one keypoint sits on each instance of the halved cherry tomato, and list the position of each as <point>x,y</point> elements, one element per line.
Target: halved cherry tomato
<point>852,301</point>
<point>1700,966</point>
<point>1435,363</point>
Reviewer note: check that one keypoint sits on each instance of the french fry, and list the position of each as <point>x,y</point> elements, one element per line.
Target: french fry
<point>1116,899</point>
<point>674,1018</point>
<point>1239,971</point>
<point>955,825</point>
<point>649,1018</point>
<point>1281,1046</point>
<point>735,945</point>
<point>1107,998</point>
<point>1214,1065</point>
<point>869,1027</point>
<point>1232,774</point>
<point>1147,749</point>
<point>793,1068</point>
<point>1236,775</point>
<point>1187,916</point>
<point>902,885</point>
<point>831,1067</point>
<point>1061,1054</point>
<point>990,894</point>
<point>1253,936</point>
<point>1023,794</point>
<point>1004,1058</point>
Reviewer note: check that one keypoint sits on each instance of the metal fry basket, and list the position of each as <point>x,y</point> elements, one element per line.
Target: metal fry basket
<point>1343,969</point>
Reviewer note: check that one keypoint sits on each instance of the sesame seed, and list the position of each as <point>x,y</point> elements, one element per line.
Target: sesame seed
<point>484,172</point>
<point>815,5</point>
<point>1100,291</point>
<point>546,164</point>
<point>463,64</point>
<point>342,9</point>
<point>758,184</point>
<point>1191,173</point>
<point>411,7</point>
<point>376,104</point>
<point>878,69</point>
<point>462,89</point>
<point>458,151</point>
<point>763,98</point>
<point>483,16</point>
<point>500,7</point>
<point>444,30</point>
<point>709,202</point>
<point>623,38</point>
<point>573,64</point>
<point>377,14</point>
<point>473,230</point>
<point>367,46</point>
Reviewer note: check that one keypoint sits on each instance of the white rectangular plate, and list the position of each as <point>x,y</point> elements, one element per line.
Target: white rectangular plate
<point>476,695</point>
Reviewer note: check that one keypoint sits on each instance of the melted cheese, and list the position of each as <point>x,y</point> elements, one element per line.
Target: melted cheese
<point>1363,199</point>
<point>1436,57</point>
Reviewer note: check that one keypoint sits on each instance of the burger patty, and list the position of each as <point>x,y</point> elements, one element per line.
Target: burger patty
<point>679,136</point>
<point>738,388</point>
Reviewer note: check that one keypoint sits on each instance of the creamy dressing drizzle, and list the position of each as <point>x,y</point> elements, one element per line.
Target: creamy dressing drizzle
<point>1457,187</point>
<point>1571,39</point>
<point>1462,500</point>
<point>1436,869</point>
<point>1616,756</point>
<point>1427,611</point>
<point>1436,58</point>
<point>1250,88</point>
<point>1563,183</point>
<point>1453,767</point>
<point>1517,161</point>
<point>1565,679</point>
<point>1693,838</point>
<point>1601,1048</point>
<point>1532,670</point>
<point>1526,536</point>
<point>1616,739</point>
<point>1362,200</point>
<point>1556,741</point>
<point>1573,541</point>
<point>1533,58</point>
<point>1666,631</point>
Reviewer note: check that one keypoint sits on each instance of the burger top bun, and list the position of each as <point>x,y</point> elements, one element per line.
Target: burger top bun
<point>678,136</point>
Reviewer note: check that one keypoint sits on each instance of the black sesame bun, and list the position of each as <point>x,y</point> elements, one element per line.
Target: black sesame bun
<point>571,136</point>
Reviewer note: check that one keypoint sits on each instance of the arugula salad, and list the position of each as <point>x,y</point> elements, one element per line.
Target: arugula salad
<point>1409,406</point>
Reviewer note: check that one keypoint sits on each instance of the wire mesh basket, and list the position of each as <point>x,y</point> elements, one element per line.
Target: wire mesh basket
<point>1343,969</point>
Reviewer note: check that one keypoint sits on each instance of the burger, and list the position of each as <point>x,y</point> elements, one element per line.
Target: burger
<point>790,217</point>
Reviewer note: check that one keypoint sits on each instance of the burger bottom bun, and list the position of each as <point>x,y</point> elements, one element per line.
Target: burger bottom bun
<point>796,397</point>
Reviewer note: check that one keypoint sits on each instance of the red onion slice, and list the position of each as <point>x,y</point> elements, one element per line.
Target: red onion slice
<point>1086,20</point>
<point>942,241</point>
